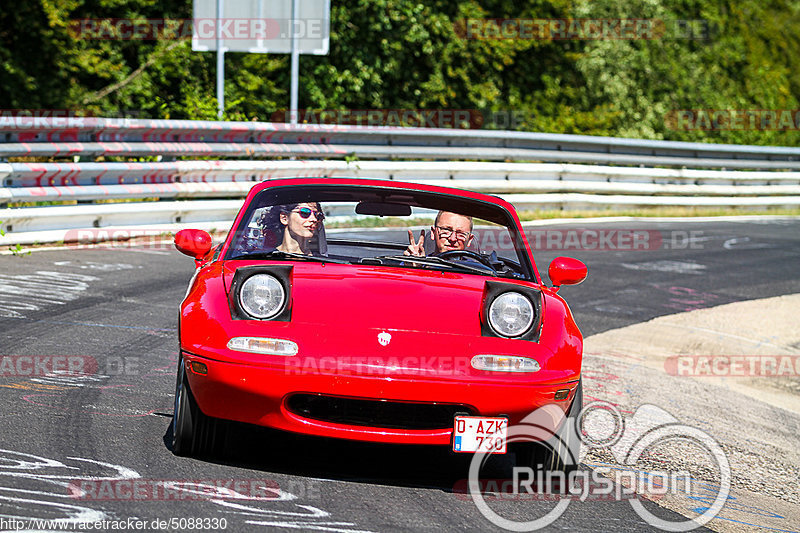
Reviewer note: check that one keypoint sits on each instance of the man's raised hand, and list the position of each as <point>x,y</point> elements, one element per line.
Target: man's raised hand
<point>416,248</point>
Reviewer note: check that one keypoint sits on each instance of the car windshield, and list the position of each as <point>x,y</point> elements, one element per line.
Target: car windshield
<point>389,227</point>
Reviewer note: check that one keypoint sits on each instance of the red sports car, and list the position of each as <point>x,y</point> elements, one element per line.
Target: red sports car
<point>377,311</point>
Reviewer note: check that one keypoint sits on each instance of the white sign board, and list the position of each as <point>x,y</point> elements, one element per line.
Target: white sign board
<point>262,26</point>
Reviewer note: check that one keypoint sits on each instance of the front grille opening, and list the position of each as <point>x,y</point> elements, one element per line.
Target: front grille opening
<point>376,413</point>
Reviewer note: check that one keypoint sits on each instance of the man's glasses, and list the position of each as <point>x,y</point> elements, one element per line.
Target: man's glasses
<point>445,233</point>
<point>306,212</point>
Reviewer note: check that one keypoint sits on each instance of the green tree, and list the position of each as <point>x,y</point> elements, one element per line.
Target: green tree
<point>388,54</point>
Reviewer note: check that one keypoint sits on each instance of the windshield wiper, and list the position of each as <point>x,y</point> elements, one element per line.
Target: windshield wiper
<point>278,254</point>
<point>438,261</point>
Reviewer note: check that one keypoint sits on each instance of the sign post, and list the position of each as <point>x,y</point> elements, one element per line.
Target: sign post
<point>295,65</point>
<point>220,63</point>
<point>262,27</point>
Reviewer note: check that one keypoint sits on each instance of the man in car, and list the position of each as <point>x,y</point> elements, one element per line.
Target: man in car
<point>450,231</point>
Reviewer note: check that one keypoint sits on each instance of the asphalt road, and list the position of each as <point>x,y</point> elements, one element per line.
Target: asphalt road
<point>118,308</point>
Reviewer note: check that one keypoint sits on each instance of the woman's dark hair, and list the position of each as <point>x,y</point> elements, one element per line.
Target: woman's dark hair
<point>271,217</point>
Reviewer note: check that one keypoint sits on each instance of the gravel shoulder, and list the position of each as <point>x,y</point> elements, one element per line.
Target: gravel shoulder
<point>757,335</point>
<point>755,419</point>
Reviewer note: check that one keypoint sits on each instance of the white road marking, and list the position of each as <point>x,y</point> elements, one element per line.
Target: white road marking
<point>342,527</point>
<point>741,243</point>
<point>31,504</point>
<point>92,265</point>
<point>142,251</point>
<point>68,379</point>
<point>678,267</point>
<point>32,292</point>
<point>27,466</point>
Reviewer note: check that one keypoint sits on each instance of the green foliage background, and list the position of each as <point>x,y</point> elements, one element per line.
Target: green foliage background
<point>388,54</point>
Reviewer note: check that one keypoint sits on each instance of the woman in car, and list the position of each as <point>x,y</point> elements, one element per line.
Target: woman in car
<point>300,223</point>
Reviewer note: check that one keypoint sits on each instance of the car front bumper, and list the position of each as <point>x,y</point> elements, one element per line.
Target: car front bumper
<point>259,395</point>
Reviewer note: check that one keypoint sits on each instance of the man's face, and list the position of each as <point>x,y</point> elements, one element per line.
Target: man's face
<point>451,232</point>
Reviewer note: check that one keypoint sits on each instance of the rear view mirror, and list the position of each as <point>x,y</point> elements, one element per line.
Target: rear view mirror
<point>383,209</point>
<point>566,271</point>
<point>193,242</point>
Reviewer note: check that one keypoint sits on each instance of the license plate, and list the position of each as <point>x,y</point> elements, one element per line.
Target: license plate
<point>479,434</point>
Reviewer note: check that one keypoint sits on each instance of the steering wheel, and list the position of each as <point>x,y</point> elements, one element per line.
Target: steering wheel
<point>455,254</point>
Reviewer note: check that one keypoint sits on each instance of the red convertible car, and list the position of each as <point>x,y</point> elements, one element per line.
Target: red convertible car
<point>376,311</point>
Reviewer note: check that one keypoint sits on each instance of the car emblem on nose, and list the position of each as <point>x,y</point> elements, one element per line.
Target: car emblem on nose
<point>384,338</point>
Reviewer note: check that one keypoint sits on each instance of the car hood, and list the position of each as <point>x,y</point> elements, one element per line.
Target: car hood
<point>366,297</point>
<point>383,321</point>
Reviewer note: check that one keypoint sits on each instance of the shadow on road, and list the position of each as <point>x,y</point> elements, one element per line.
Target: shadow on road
<point>269,450</point>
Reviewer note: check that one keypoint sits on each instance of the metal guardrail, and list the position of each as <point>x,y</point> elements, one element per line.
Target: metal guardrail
<point>96,137</point>
<point>215,187</point>
<point>198,179</point>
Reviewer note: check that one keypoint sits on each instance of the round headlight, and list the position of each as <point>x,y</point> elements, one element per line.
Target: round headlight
<point>511,314</point>
<point>262,296</point>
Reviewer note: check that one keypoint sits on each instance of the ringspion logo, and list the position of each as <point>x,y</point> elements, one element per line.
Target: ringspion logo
<point>629,440</point>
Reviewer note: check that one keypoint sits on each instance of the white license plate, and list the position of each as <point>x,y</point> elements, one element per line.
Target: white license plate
<point>479,434</point>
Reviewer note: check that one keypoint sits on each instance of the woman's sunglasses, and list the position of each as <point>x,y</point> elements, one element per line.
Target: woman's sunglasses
<point>306,212</point>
